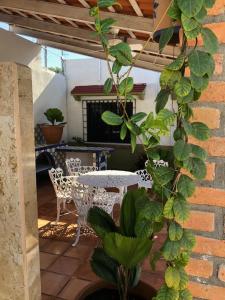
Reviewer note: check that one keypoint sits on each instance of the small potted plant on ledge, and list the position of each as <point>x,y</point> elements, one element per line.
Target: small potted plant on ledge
<point>123,248</point>
<point>53,132</point>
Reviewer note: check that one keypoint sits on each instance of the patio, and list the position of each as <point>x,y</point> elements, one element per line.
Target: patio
<point>65,270</point>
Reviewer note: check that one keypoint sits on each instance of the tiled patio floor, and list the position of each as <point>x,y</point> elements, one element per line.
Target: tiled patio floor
<point>65,270</point>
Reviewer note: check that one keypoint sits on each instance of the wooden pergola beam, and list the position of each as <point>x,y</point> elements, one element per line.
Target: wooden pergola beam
<point>133,23</point>
<point>81,44</point>
<point>78,33</point>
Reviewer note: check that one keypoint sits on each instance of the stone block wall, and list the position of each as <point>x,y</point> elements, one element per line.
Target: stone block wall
<point>207,266</point>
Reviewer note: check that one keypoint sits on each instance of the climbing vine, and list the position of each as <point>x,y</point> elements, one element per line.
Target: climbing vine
<point>182,81</point>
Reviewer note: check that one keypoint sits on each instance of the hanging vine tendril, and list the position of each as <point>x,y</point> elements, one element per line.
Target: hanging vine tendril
<point>171,186</point>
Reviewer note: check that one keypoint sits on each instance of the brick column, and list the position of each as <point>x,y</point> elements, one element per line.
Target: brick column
<point>207,266</point>
<point>19,251</point>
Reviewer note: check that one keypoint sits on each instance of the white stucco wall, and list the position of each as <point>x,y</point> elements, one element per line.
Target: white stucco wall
<point>49,88</point>
<point>94,71</point>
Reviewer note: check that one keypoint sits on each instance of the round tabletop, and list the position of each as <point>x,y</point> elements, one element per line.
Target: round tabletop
<point>108,178</point>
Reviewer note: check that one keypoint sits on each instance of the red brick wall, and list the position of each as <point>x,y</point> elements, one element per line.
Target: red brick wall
<point>207,267</point>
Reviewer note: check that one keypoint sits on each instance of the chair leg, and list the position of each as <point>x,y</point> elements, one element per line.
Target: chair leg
<point>77,236</point>
<point>58,210</point>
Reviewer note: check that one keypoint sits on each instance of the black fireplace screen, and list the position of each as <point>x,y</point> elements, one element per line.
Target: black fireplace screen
<point>95,130</point>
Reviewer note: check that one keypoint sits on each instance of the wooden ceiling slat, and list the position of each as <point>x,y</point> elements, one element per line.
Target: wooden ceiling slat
<point>78,33</point>
<point>81,14</point>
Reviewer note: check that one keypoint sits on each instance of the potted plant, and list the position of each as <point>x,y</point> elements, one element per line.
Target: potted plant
<point>53,132</point>
<point>123,248</point>
<point>172,184</point>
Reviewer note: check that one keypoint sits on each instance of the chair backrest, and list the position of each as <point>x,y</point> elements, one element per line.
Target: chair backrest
<point>73,166</point>
<point>158,163</point>
<point>86,169</point>
<point>144,175</point>
<point>62,184</point>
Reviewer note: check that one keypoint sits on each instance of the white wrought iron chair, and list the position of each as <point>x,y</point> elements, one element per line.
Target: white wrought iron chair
<point>145,179</point>
<point>87,197</point>
<point>73,166</point>
<point>63,190</point>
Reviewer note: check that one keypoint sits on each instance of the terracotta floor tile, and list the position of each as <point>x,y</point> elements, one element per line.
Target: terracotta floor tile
<point>65,265</point>
<point>46,259</point>
<point>56,247</point>
<point>85,272</point>
<point>42,243</point>
<point>73,287</point>
<point>81,251</point>
<point>52,283</point>
<point>46,297</point>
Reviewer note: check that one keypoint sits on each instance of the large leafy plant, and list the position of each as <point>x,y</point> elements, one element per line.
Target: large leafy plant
<point>125,246</point>
<point>175,183</point>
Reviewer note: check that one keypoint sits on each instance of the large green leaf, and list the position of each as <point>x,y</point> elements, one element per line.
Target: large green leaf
<point>189,23</point>
<point>182,150</point>
<point>106,3</point>
<point>162,175</point>
<point>193,34</point>
<point>181,209</point>
<point>166,293</point>
<point>152,211</point>
<point>177,63</point>
<point>190,8</point>
<point>187,99</point>
<point>168,78</point>
<point>168,209</point>
<point>188,240</point>
<point>210,40</point>
<point>183,279</point>
<point>127,251</point>
<point>171,250</point>
<point>111,118</point>
<point>199,83</point>
<point>199,152</point>
<point>123,131</point>
<point>198,62</point>
<point>116,67</point>
<point>106,24</point>
<point>104,266</point>
<point>138,117</point>
<point>185,186</point>
<point>128,213</point>
<point>165,37</point>
<point>172,277</point>
<point>185,295</point>
<point>100,221</point>
<point>174,11</point>
<point>200,131</point>
<point>197,168</point>
<point>201,15</point>
<point>161,99</point>
<point>182,87</point>
<point>108,86</point>
<point>122,52</point>
<point>143,227</point>
<point>175,231</point>
<point>133,142</point>
<point>166,116</point>
<point>209,3</point>
<point>126,86</point>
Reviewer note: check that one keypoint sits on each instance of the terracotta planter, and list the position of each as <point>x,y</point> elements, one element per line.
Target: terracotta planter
<point>163,21</point>
<point>52,133</point>
<point>142,290</point>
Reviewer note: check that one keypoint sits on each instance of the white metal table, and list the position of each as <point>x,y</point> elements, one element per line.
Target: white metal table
<point>109,178</point>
